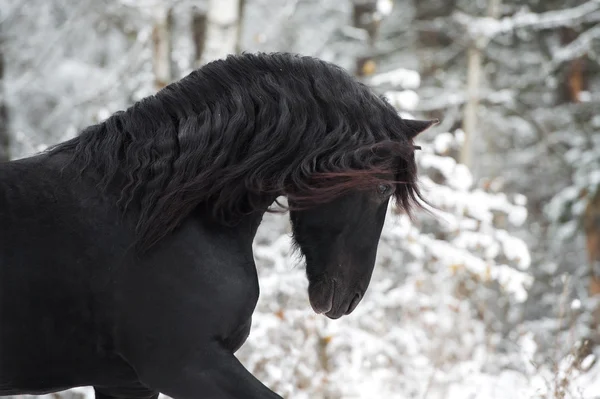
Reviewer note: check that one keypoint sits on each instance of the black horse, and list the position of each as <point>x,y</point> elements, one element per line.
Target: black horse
<point>126,253</point>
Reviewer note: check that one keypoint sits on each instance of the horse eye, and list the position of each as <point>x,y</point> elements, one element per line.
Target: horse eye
<point>384,189</point>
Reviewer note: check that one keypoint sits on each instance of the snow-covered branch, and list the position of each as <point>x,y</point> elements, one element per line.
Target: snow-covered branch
<point>577,47</point>
<point>436,100</point>
<point>490,27</point>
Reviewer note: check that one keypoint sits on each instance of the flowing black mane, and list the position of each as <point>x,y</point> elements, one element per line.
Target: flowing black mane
<point>236,133</point>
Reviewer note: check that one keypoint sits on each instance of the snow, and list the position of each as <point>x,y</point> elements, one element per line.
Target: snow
<point>585,96</point>
<point>588,361</point>
<point>573,199</point>
<point>401,77</point>
<point>514,249</point>
<point>461,179</point>
<point>384,7</point>
<point>223,12</point>
<point>490,27</point>
<point>442,143</point>
<point>517,216</point>
<point>403,100</point>
<point>355,33</point>
<point>520,199</point>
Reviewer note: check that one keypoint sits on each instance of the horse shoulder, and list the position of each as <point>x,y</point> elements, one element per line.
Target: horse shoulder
<point>197,285</point>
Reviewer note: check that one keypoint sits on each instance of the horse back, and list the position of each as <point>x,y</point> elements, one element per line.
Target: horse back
<point>54,284</point>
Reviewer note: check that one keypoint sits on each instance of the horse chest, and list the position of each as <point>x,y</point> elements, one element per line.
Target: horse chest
<point>194,296</point>
<point>236,339</point>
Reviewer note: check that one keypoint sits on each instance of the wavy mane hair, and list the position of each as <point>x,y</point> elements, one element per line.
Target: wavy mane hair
<point>236,133</point>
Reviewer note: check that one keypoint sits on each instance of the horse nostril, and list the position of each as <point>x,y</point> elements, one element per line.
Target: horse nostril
<point>354,303</point>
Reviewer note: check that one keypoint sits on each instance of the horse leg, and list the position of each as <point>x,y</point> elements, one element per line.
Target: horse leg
<point>134,392</point>
<point>214,374</point>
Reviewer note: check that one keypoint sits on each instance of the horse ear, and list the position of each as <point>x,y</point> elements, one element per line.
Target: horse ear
<point>414,127</point>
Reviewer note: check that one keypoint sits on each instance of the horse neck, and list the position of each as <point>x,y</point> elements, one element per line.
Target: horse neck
<point>247,225</point>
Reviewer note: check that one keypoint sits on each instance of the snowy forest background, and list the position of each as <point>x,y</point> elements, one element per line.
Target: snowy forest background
<point>494,296</point>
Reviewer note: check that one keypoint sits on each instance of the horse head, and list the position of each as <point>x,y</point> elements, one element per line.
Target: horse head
<point>339,238</point>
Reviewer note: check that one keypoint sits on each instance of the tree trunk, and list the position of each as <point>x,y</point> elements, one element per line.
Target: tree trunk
<point>222,29</point>
<point>161,47</point>
<point>198,35</point>
<point>574,82</point>
<point>470,112</point>
<point>241,8</point>
<point>4,134</point>
<point>591,226</point>
<point>473,83</point>
<point>365,16</point>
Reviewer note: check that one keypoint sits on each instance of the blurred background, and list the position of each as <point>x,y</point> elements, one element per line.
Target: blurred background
<point>496,294</point>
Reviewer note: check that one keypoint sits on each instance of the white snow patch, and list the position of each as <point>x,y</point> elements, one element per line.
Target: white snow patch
<point>405,100</point>
<point>405,78</point>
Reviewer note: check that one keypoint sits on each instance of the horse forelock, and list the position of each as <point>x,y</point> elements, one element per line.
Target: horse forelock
<point>237,133</point>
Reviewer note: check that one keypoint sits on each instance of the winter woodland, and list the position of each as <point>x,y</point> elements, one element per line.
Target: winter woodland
<point>493,293</point>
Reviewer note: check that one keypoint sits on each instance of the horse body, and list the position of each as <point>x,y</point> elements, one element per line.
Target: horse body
<point>126,253</point>
<point>70,317</point>
<point>50,291</point>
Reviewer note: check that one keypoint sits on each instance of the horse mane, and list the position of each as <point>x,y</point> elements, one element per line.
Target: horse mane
<point>233,135</point>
